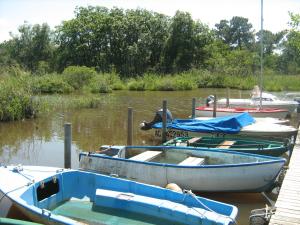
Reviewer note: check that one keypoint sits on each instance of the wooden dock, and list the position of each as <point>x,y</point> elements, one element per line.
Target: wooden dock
<point>288,202</point>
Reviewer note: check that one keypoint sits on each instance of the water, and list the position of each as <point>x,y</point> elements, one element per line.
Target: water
<point>41,141</point>
<point>86,212</point>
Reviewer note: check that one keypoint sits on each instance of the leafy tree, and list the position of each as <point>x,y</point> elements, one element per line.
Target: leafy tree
<point>237,32</point>
<point>31,46</point>
<point>290,59</point>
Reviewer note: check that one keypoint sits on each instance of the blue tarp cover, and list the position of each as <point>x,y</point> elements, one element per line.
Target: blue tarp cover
<point>226,124</point>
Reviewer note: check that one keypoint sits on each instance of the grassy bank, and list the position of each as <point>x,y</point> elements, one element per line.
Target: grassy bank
<point>21,93</point>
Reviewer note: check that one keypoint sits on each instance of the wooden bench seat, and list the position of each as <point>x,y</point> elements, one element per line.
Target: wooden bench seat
<point>146,156</point>
<point>192,161</point>
<point>194,140</point>
<point>226,144</point>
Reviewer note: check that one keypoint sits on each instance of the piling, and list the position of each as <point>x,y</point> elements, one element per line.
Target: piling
<point>130,126</point>
<point>68,143</point>
<point>215,106</point>
<point>227,97</point>
<point>193,108</point>
<point>164,122</point>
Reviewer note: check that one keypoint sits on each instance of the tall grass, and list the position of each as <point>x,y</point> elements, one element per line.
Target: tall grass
<point>16,100</point>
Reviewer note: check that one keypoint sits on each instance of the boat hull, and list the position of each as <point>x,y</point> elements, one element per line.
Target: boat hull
<point>243,177</point>
<point>208,112</point>
<point>39,192</point>
<point>253,146</point>
<point>288,105</point>
<point>258,130</point>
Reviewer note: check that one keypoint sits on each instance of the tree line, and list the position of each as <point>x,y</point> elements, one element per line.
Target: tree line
<point>135,42</point>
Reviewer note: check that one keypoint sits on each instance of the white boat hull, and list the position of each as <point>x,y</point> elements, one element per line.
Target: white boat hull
<point>214,179</point>
<point>219,113</point>
<point>259,130</point>
<point>279,104</point>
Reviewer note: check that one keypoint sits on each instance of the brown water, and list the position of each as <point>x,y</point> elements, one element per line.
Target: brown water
<point>40,141</point>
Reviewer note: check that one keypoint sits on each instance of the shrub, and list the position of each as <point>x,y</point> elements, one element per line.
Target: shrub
<point>16,101</point>
<point>78,76</point>
<point>51,84</point>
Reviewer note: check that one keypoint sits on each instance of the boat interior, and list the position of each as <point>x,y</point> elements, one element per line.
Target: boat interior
<point>223,143</point>
<point>182,156</point>
<point>95,199</point>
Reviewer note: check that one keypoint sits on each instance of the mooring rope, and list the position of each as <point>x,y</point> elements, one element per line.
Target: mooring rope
<point>189,192</point>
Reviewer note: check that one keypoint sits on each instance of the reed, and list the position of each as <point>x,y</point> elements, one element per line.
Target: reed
<point>16,99</point>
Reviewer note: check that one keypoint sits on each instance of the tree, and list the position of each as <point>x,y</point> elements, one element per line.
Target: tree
<point>289,61</point>
<point>237,32</point>
<point>32,46</point>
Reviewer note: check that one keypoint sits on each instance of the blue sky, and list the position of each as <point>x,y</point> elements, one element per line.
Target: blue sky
<point>13,13</point>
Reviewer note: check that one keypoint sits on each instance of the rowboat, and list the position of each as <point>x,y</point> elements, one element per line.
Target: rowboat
<point>238,125</point>
<point>205,171</point>
<point>207,111</point>
<point>51,195</point>
<point>246,145</point>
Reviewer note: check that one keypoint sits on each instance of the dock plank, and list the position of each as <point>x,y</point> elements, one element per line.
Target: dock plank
<point>288,202</point>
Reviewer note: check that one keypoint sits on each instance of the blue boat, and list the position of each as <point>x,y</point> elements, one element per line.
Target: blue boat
<point>63,196</point>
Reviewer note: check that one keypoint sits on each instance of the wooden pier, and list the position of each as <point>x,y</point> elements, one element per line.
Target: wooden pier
<point>288,202</point>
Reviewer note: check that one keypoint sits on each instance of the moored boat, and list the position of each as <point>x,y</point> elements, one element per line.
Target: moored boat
<point>267,100</point>
<point>205,170</point>
<point>62,196</point>
<point>207,111</point>
<point>246,145</point>
<point>238,125</point>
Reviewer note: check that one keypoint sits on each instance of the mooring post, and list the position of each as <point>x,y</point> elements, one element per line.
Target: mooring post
<point>227,97</point>
<point>215,106</point>
<point>193,108</point>
<point>164,122</point>
<point>68,143</point>
<point>130,126</point>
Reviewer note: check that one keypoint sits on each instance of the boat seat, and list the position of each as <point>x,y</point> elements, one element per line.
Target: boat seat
<point>194,140</point>
<point>192,161</point>
<point>146,156</point>
<point>226,144</point>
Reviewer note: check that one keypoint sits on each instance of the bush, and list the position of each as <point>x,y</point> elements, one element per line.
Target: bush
<point>16,101</point>
<point>99,84</point>
<point>78,76</point>
<point>136,85</point>
<point>51,84</point>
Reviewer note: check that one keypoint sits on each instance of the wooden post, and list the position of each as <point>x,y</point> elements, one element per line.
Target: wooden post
<point>68,143</point>
<point>193,108</point>
<point>240,93</point>
<point>227,97</point>
<point>164,122</point>
<point>129,126</point>
<point>215,106</point>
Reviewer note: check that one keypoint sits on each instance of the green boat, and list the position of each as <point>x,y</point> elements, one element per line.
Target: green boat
<point>255,146</point>
<point>9,221</point>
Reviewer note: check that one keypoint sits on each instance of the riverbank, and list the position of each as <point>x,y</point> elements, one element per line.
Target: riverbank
<point>19,90</point>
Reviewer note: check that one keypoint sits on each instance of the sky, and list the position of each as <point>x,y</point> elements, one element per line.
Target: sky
<point>13,13</point>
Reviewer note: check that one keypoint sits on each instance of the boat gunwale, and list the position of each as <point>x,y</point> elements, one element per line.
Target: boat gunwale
<point>272,159</point>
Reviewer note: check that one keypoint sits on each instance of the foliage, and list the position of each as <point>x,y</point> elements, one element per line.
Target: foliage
<point>51,84</point>
<point>16,101</point>
<point>78,76</point>
<point>31,46</point>
<point>237,32</point>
